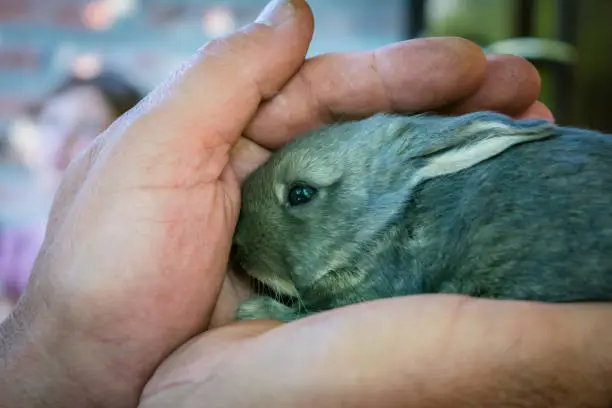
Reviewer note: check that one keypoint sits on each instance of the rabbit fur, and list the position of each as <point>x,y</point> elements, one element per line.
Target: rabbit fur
<point>478,204</point>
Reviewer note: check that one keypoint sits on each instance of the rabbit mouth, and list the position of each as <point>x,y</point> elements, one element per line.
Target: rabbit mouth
<point>272,289</point>
<point>262,289</point>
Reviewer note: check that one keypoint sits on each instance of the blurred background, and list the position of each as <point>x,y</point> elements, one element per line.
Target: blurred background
<point>68,68</point>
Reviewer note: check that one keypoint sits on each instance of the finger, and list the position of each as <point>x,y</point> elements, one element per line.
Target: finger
<point>537,111</point>
<point>211,97</point>
<point>207,103</point>
<point>248,155</point>
<point>511,86</point>
<point>410,76</point>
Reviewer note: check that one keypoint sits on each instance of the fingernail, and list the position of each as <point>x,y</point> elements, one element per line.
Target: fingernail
<point>276,13</point>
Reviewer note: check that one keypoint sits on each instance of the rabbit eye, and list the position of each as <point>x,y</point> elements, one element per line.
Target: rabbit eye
<point>301,195</point>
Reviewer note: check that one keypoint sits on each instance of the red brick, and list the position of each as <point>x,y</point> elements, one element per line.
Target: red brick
<point>68,15</point>
<point>19,58</point>
<point>166,14</point>
<point>15,10</point>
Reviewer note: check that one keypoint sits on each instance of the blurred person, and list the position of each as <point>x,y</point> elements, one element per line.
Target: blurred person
<point>46,138</point>
<point>75,112</point>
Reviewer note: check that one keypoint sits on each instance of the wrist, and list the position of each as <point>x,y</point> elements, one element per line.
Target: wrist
<point>44,363</point>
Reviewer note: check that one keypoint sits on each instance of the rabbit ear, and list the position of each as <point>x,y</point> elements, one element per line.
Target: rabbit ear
<point>466,141</point>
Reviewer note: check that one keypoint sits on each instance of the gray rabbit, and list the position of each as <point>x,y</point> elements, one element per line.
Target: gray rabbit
<point>394,205</point>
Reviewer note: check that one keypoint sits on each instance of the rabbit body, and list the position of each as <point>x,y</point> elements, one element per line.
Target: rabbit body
<point>479,205</point>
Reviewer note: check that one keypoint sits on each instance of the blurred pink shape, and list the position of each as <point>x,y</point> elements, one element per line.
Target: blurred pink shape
<point>19,248</point>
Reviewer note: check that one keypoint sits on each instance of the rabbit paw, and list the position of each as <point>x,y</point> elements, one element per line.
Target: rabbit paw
<point>262,307</point>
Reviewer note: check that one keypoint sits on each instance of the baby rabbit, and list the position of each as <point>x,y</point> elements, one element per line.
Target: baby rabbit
<point>480,205</point>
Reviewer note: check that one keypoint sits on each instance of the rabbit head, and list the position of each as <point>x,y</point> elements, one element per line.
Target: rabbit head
<point>310,212</point>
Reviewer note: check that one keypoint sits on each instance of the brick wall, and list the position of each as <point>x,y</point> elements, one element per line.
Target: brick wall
<point>40,39</point>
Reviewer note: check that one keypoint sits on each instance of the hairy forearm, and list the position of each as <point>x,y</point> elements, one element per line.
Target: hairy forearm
<point>42,365</point>
<point>441,352</point>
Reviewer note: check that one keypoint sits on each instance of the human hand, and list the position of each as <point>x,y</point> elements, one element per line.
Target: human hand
<point>417,351</point>
<point>99,315</point>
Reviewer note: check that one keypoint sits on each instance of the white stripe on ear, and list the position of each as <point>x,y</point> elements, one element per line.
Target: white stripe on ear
<point>460,158</point>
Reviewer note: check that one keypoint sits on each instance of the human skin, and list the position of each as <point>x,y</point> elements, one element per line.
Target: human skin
<point>420,351</point>
<point>134,262</point>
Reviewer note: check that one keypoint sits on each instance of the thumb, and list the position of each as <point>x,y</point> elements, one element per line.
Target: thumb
<point>188,124</point>
<point>201,110</point>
